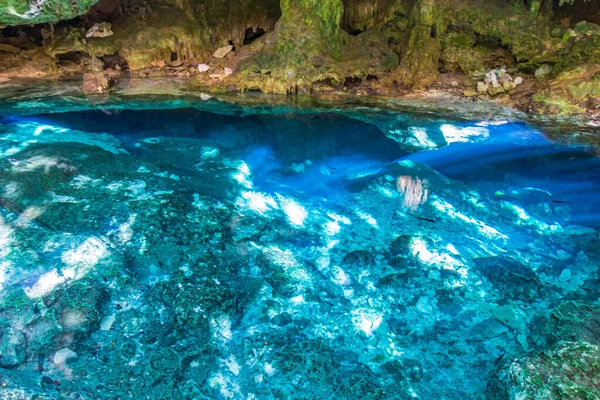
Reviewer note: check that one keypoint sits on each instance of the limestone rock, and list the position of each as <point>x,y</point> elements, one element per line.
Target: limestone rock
<point>96,64</point>
<point>64,355</point>
<point>203,67</point>
<point>100,30</point>
<point>568,370</point>
<point>96,82</point>
<point>509,277</point>
<point>223,51</point>
<point>12,347</point>
<point>482,87</point>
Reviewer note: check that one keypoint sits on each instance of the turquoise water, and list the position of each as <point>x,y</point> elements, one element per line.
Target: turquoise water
<point>268,252</point>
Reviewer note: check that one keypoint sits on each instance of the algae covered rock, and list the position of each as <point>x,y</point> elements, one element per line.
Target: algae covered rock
<point>574,321</point>
<point>568,370</point>
<point>12,346</point>
<point>17,12</point>
<point>509,277</point>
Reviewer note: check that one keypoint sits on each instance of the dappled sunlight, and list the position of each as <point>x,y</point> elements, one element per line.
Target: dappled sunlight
<point>448,209</point>
<point>455,134</point>
<point>218,256</point>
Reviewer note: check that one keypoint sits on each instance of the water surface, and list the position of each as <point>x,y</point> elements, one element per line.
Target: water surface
<point>274,252</point>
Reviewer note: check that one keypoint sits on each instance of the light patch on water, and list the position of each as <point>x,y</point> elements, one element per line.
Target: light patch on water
<point>43,128</point>
<point>484,229</point>
<point>296,214</point>
<point>29,215</point>
<point>387,192</point>
<point>420,250</point>
<point>226,387</point>
<point>209,153</point>
<point>340,277</point>
<point>87,254</point>
<point>125,232</point>
<point>243,175</point>
<point>420,138</point>
<point>233,366</point>
<point>367,218</point>
<point>29,133</point>
<point>297,300</point>
<point>332,228</point>
<point>221,328</point>
<point>454,134</point>
<point>366,320</point>
<point>491,123</point>
<point>46,283</point>
<point>257,201</point>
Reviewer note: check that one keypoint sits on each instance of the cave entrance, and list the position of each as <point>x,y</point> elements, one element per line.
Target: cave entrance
<point>252,34</point>
<point>570,14</point>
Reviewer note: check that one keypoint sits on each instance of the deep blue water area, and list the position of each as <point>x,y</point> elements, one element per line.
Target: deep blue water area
<point>268,252</point>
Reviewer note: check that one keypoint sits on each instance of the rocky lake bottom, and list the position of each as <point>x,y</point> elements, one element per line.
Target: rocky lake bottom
<point>165,249</point>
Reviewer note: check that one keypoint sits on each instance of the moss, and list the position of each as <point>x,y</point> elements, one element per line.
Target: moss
<point>459,52</point>
<point>17,12</point>
<point>558,105</point>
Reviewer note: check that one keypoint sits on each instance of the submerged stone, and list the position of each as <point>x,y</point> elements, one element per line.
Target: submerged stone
<point>511,278</point>
<point>568,370</point>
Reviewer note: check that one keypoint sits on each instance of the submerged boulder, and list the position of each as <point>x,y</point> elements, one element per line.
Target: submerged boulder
<point>575,321</point>
<point>511,278</point>
<point>568,370</point>
<point>12,346</point>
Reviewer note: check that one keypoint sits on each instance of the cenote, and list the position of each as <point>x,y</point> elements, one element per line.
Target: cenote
<point>158,248</point>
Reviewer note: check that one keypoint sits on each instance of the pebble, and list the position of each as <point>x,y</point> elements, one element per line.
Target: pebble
<point>228,71</point>
<point>107,322</point>
<point>203,67</point>
<point>64,355</point>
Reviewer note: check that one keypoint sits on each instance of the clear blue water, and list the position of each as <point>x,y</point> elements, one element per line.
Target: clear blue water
<point>263,253</point>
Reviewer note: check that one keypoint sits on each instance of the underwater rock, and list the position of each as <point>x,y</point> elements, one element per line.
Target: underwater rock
<point>574,321</point>
<point>509,277</point>
<point>100,30</point>
<point>223,51</point>
<point>12,347</point>
<point>568,370</point>
<point>96,82</point>
<point>63,355</point>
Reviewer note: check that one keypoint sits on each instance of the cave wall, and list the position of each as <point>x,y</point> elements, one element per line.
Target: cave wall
<point>401,44</point>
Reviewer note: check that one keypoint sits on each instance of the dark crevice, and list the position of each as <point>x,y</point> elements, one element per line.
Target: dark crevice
<point>251,35</point>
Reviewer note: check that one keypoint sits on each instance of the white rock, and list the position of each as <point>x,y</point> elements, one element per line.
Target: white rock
<point>205,96</point>
<point>518,80</point>
<point>107,322</point>
<point>203,67</point>
<point>100,30</point>
<point>64,355</point>
<point>223,51</point>
<point>482,87</point>
<point>228,71</point>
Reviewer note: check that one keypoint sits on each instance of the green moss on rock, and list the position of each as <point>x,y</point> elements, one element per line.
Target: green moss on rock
<point>29,12</point>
